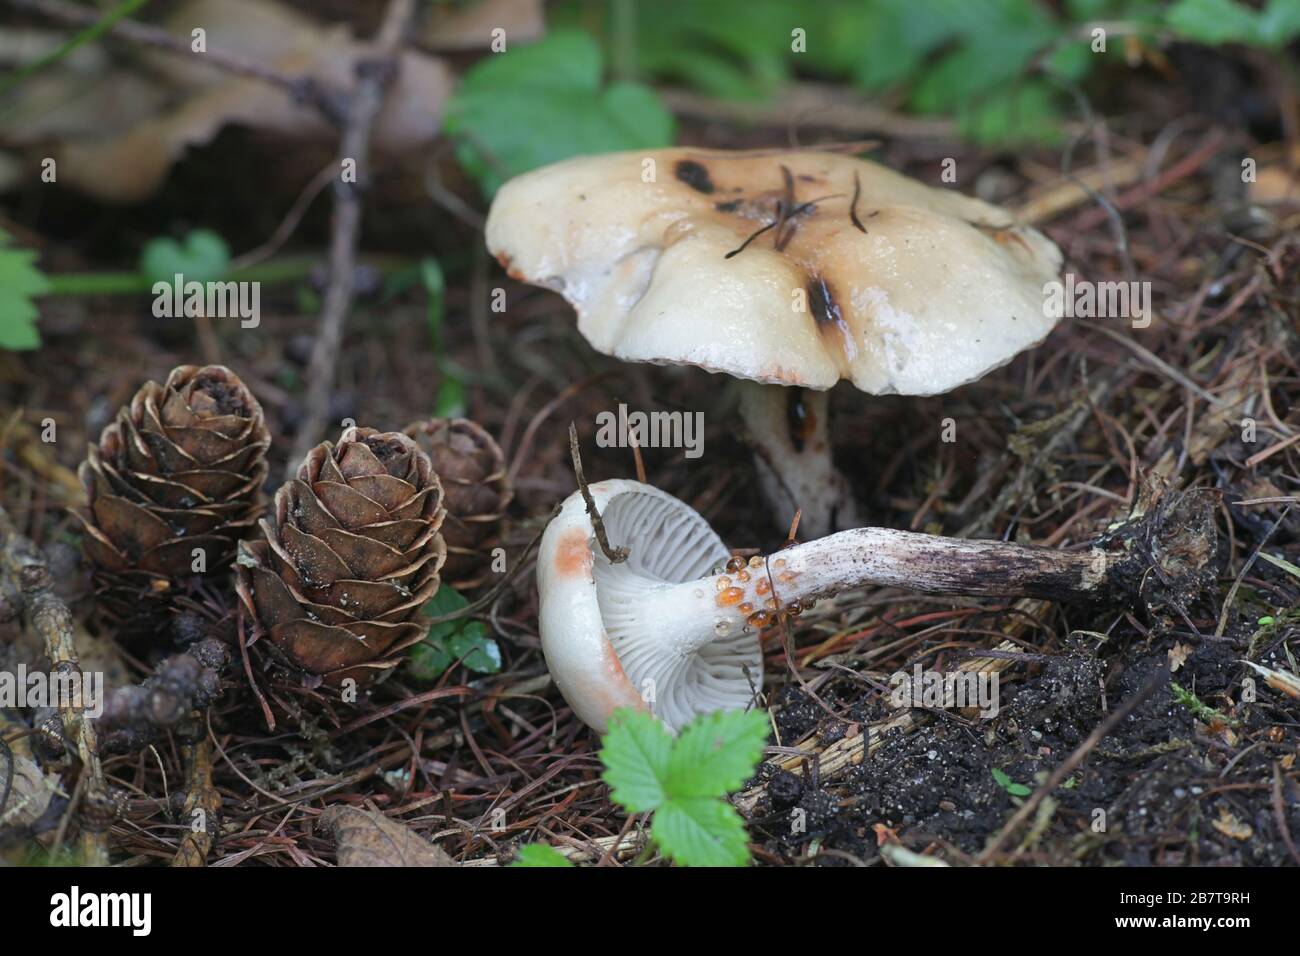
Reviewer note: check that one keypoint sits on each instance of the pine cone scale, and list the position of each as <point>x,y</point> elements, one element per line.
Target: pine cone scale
<point>337,585</point>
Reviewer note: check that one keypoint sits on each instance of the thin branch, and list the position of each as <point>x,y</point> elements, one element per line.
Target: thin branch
<point>304,89</point>
<point>373,77</point>
<point>615,555</point>
<point>200,813</point>
<point>49,618</point>
<point>141,714</point>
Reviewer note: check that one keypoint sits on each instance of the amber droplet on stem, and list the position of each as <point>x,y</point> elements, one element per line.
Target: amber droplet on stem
<point>759,619</point>
<point>730,596</point>
<point>736,563</point>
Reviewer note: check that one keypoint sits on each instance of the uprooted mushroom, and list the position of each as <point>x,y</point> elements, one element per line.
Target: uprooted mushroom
<point>788,270</point>
<point>673,627</point>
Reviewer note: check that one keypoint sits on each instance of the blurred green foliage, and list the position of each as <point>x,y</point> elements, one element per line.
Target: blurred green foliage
<point>202,256</point>
<point>538,104</point>
<point>1001,68</point>
<point>20,282</point>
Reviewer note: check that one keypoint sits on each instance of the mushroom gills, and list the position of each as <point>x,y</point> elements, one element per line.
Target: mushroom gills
<point>661,615</point>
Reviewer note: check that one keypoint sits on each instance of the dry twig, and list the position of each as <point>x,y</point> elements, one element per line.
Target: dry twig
<point>49,618</point>
<point>373,77</point>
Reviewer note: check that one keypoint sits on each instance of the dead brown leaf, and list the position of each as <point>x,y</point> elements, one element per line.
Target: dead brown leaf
<point>366,838</point>
<point>131,164</point>
<point>1231,827</point>
<point>470,28</point>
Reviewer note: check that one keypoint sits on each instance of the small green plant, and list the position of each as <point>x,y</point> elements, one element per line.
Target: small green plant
<point>464,639</point>
<point>539,854</point>
<point>684,781</point>
<point>1200,710</point>
<point>202,256</point>
<point>526,107</point>
<point>1009,785</point>
<point>450,402</point>
<point>20,282</point>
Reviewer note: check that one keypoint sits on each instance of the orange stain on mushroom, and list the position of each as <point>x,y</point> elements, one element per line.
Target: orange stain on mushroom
<point>617,691</point>
<point>573,556</point>
<point>507,263</point>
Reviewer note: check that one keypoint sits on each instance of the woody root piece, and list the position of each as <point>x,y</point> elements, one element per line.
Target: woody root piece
<point>674,627</point>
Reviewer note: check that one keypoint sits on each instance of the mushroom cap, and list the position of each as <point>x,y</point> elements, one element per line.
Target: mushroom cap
<point>606,644</point>
<point>934,290</point>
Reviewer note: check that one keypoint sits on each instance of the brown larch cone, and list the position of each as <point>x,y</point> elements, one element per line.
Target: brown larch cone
<point>180,468</point>
<point>349,558</point>
<point>477,490</point>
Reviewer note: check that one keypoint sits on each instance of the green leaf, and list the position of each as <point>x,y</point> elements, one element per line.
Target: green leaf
<point>1214,21</point>
<point>984,66</point>
<point>450,402</point>
<point>539,854</point>
<point>1006,783</point>
<point>464,639</point>
<point>739,49</point>
<point>895,41</point>
<point>20,282</point>
<point>1070,61</point>
<point>1279,23</point>
<point>429,661</point>
<point>1024,112</point>
<point>716,753</point>
<point>636,751</point>
<point>701,831</point>
<point>203,256</point>
<point>435,286</point>
<point>538,104</point>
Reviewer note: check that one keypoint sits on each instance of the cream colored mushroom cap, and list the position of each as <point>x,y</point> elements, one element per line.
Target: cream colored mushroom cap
<point>934,290</point>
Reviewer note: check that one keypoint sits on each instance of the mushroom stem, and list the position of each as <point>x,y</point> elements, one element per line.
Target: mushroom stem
<point>788,429</point>
<point>755,594</point>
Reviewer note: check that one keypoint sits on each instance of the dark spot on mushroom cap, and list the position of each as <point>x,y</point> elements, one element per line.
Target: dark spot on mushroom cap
<point>694,175</point>
<point>830,321</point>
<point>825,309</point>
<point>731,205</point>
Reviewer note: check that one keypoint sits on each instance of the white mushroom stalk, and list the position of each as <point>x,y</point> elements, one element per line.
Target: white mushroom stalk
<point>788,429</point>
<point>674,629</point>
